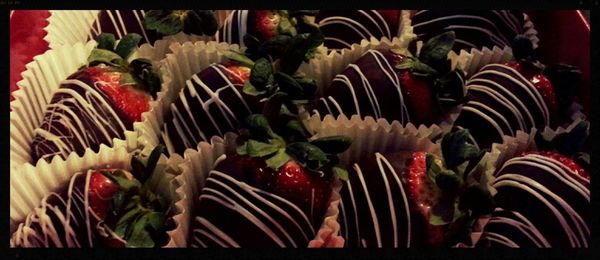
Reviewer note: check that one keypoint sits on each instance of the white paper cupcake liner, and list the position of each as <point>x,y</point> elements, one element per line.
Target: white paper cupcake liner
<point>185,60</point>
<point>200,161</point>
<point>68,27</point>
<point>29,185</point>
<point>475,55</point>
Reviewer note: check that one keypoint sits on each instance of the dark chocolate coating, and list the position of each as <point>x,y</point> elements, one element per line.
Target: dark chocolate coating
<point>342,28</point>
<point>211,104</point>
<point>375,197</point>
<point>541,203</point>
<point>79,116</point>
<point>369,87</point>
<point>232,213</point>
<point>32,233</point>
<point>122,22</point>
<point>473,28</point>
<point>501,102</point>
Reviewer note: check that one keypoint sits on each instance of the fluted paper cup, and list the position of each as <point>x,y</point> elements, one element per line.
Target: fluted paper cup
<point>29,185</point>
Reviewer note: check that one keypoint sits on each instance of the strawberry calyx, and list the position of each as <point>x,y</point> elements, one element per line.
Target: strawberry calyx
<point>318,156</point>
<point>170,22</point>
<point>555,81</point>
<point>432,65</point>
<point>455,177</point>
<point>139,73</point>
<point>295,40</point>
<point>568,144</point>
<point>137,216</point>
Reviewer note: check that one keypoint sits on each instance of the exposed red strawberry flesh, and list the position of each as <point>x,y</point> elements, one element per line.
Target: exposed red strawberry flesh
<point>419,188</point>
<point>266,23</point>
<point>130,101</point>
<point>239,74</point>
<point>419,98</point>
<point>541,83</point>
<point>101,192</point>
<point>291,181</point>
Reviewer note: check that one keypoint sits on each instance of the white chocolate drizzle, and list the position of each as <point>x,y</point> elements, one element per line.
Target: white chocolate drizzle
<point>374,94</point>
<point>547,182</point>
<point>281,221</point>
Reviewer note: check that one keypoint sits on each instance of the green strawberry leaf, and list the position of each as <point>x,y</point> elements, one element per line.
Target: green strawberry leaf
<point>260,73</point>
<point>564,78</point>
<point>477,199</point>
<point>417,68</point>
<point>286,26</point>
<point>122,181</point>
<point>456,148</point>
<point>98,56</point>
<point>153,160</point>
<point>118,201</point>
<point>127,44</point>
<point>210,25</point>
<point>125,222</point>
<point>260,149</point>
<point>242,149</point>
<point>278,160</point>
<point>308,155</point>
<point>200,22</point>
<point>437,48</point>
<point>443,212</point>
<point>522,48</point>
<point>252,45</point>
<point>288,84</point>
<point>582,159</point>
<point>127,79</point>
<point>449,182</point>
<point>570,143</point>
<point>148,74</point>
<point>308,85</point>
<point>164,22</point>
<point>259,127</point>
<point>106,41</point>
<point>296,127</point>
<point>340,173</point>
<point>299,51</point>
<point>138,169</point>
<point>240,58</point>
<point>139,236</point>
<point>450,88</point>
<point>433,169</point>
<point>251,90</point>
<point>333,144</point>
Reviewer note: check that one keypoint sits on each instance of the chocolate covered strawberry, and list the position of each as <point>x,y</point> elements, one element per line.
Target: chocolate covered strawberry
<point>97,103</point>
<point>277,189</point>
<point>252,27</point>
<point>217,99</point>
<point>342,28</point>
<point>397,85</point>
<point>100,208</point>
<point>543,196</point>
<point>413,198</point>
<point>517,96</point>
